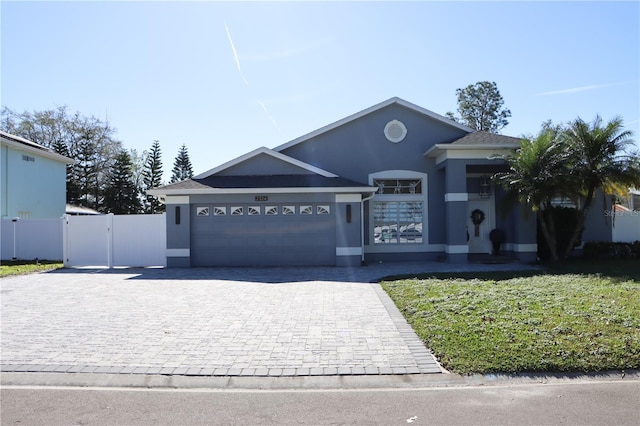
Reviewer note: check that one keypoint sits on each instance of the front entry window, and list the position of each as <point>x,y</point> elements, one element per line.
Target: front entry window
<point>397,222</point>
<point>398,211</point>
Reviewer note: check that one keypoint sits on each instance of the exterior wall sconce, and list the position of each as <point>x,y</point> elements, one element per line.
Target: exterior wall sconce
<point>485,187</point>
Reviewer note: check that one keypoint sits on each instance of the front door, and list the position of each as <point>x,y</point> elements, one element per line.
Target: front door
<point>480,222</point>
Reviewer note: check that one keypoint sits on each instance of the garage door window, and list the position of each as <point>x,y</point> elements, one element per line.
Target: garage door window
<point>288,210</point>
<point>219,211</point>
<point>323,209</point>
<point>237,211</point>
<point>253,210</point>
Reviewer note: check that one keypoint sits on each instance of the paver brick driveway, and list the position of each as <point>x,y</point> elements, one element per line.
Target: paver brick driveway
<point>193,322</point>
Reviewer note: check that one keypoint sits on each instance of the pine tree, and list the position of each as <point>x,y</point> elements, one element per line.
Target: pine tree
<point>73,189</point>
<point>85,173</point>
<point>152,178</point>
<point>481,107</point>
<point>182,166</point>
<point>121,194</point>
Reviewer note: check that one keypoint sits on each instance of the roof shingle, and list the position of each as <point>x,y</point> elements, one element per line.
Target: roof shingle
<point>486,138</point>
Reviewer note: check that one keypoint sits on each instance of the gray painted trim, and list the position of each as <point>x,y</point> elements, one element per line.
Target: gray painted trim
<point>178,252</point>
<point>521,248</point>
<point>348,251</point>
<point>457,249</point>
<point>473,152</point>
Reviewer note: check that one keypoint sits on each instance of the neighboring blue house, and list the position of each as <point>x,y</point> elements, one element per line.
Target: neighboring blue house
<point>393,182</point>
<point>32,179</point>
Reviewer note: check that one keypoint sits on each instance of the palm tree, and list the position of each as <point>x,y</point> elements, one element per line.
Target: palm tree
<point>599,160</point>
<point>537,175</point>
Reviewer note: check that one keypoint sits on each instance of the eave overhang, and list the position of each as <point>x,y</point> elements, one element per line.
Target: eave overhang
<point>39,151</point>
<point>443,152</point>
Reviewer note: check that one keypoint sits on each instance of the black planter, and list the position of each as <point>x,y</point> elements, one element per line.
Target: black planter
<point>497,237</point>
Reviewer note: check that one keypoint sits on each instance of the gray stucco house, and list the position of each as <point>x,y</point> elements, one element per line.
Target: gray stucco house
<point>392,182</point>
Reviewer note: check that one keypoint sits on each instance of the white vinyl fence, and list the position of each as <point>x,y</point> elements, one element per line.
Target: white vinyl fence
<point>111,241</point>
<point>28,239</point>
<point>626,226</point>
<point>100,241</point>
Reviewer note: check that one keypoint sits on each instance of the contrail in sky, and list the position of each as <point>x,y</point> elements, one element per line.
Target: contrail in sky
<point>266,111</point>
<point>246,83</point>
<point>575,89</point>
<point>235,54</point>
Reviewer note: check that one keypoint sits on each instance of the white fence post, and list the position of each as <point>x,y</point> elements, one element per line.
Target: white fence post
<point>65,240</point>
<point>110,240</point>
<point>15,239</point>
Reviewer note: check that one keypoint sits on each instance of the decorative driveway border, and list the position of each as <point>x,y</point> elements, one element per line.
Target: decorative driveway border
<point>211,322</point>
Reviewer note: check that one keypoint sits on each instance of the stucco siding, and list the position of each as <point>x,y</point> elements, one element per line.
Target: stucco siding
<point>263,165</point>
<point>359,148</point>
<point>598,226</point>
<point>33,186</point>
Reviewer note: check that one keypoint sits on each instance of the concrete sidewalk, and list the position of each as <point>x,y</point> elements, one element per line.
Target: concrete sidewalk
<point>264,322</point>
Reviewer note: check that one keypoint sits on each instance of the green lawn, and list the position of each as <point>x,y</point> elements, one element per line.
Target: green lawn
<point>19,267</point>
<point>568,318</point>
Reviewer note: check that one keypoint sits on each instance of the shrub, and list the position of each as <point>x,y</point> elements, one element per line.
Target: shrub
<point>565,220</point>
<point>611,250</point>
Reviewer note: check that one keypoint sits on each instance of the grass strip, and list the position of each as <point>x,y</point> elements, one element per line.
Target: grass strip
<point>20,267</point>
<point>542,322</point>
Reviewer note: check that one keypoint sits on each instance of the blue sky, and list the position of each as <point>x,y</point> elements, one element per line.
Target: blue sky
<point>226,78</point>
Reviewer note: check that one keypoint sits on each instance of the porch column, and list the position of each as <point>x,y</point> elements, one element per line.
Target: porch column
<point>348,228</point>
<point>178,232</point>
<point>456,197</point>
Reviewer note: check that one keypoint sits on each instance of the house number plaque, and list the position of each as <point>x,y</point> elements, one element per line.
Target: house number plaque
<point>262,198</point>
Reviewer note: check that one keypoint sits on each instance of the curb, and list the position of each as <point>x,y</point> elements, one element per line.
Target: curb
<point>397,382</point>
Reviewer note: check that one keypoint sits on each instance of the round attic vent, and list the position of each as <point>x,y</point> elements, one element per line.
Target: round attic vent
<point>395,131</point>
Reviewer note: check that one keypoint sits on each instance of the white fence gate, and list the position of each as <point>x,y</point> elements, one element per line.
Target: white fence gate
<point>28,239</point>
<point>112,241</point>
<point>101,240</point>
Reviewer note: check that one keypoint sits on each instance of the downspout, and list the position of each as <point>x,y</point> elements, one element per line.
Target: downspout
<point>373,194</point>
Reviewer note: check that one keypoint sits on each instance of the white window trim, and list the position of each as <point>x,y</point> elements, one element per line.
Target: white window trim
<point>400,174</point>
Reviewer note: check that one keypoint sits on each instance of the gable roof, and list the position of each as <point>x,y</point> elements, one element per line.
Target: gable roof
<point>26,145</point>
<point>381,105</point>
<point>270,152</point>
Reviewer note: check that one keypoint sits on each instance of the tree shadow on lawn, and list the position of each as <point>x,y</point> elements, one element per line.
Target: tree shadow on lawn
<point>615,269</point>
